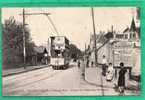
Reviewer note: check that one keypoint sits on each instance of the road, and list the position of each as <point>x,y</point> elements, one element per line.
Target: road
<point>48,82</point>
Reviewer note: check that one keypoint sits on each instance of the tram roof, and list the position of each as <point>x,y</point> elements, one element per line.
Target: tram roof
<point>59,36</point>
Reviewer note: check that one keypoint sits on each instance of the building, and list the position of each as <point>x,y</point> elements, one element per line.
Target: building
<point>102,50</point>
<point>122,47</point>
<point>131,33</point>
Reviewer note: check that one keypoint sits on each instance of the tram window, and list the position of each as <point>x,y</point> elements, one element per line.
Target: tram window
<point>58,51</point>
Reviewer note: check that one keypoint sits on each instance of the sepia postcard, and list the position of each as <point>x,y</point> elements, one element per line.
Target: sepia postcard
<point>71,51</point>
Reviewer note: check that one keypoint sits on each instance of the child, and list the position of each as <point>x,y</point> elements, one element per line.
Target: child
<point>110,72</point>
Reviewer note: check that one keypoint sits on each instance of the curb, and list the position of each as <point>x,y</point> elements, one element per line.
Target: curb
<point>15,73</point>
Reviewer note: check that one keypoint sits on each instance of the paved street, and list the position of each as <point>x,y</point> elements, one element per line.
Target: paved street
<point>49,82</point>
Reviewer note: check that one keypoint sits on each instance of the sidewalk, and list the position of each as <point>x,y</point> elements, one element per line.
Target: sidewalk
<point>8,72</point>
<point>94,77</point>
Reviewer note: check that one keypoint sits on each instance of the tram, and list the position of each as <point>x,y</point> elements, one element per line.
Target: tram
<point>59,52</point>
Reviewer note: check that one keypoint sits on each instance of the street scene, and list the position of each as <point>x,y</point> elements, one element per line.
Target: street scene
<point>71,51</point>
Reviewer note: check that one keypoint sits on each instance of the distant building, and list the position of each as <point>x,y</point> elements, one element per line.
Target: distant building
<point>103,51</point>
<point>39,49</point>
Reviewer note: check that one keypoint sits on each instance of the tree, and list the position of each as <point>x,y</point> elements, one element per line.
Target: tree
<point>13,43</point>
<point>74,52</point>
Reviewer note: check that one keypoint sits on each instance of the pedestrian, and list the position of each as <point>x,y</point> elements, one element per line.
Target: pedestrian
<point>87,65</point>
<point>104,65</point>
<point>78,63</point>
<point>110,72</point>
<point>92,63</point>
<point>121,79</point>
<point>82,69</point>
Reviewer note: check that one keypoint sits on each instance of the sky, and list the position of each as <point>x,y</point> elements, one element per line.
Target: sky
<point>73,22</point>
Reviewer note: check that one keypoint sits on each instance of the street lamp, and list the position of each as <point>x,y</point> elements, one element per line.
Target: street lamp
<point>45,53</point>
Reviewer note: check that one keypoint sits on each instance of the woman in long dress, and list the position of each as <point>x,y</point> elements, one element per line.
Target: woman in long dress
<point>121,79</point>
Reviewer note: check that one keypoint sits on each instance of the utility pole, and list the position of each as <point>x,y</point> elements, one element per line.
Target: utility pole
<point>96,50</point>
<point>24,40</point>
<point>94,31</point>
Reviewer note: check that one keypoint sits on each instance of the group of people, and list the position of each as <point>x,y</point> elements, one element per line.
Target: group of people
<point>109,72</point>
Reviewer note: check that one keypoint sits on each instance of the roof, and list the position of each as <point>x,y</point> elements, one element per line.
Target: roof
<point>126,30</point>
<point>60,36</point>
<point>133,26</point>
<point>39,49</point>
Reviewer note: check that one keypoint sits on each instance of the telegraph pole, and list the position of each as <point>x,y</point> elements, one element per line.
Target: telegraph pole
<point>24,40</point>
<point>94,31</point>
<point>96,62</point>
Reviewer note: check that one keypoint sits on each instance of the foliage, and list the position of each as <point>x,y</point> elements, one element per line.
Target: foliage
<point>13,43</point>
<point>74,52</point>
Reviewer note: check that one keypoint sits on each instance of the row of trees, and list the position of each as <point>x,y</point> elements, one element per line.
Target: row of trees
<point>13,43</point>
<point>75,52</point>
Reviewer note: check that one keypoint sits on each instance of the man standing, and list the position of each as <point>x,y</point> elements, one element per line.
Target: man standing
<point>78,63</point>
<point>82,68</point>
